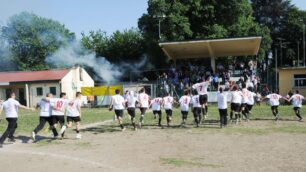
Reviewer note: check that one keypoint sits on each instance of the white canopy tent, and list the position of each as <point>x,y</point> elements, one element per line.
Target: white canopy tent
<point>212,48</point>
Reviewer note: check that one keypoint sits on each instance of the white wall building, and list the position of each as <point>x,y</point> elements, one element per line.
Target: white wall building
<point>31,86</point>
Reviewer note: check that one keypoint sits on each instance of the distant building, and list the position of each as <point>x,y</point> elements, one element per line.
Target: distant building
<point>292,78</point>
<point>31,86</point>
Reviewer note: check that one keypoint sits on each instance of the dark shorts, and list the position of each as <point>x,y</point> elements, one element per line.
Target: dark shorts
<point>73,119</point>
<point>203,99</point>
<point>131,112</point>
<point>58,119</point>
<point>249,107</point>
<point>197,111</point>
<point>274,107</point>
<point>296,108</point>
<point>159,112</point>
<point>143,110</point>
<point>184,113</point>
<point>169,112</point>
<point>235,107</point>
<point>119,113</point>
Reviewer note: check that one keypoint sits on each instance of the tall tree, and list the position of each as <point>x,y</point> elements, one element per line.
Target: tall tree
<point>32,38</point>
<point>198,19</point>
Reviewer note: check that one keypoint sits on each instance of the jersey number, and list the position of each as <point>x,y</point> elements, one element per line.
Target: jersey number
<point>59,104</point>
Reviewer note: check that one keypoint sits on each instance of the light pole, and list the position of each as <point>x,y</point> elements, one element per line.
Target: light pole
<point>298,52</point>
<point>281,50</point>
<point>304,43</point>
<point>275,68</point>
<point>159,18</point>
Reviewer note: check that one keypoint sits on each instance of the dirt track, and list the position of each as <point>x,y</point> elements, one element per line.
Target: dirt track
<point>105,148</point>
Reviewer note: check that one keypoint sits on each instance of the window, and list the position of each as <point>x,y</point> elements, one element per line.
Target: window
<point>299,80</point>
<point>39,91</point>
<point>53,90</point>
<point>81,74</point>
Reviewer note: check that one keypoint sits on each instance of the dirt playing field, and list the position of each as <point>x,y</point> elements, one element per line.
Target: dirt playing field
<point>259,145</point>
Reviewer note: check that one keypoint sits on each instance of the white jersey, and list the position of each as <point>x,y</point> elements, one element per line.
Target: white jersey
<point>297,100</point>
<point>156,103</point>
<point>143,99</point>
<point>168,102</point>
<point>236,97</point>
<point>196,101</point>
<point>10,107</point>
<point>58,103</point>
<point>222,100</point>
<point>274,99</point>
<point>118,102</point>
<point>131,101</point>
<point>201,87</point>
<point>73,108</point>
<point>251,96</point>
<point>45,108</point>
<point>244,94</point>
<point>184,103</point>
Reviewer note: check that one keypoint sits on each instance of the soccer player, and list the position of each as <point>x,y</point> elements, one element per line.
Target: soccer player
<point>297,101</point>
<point>244,100</point>
<point>202,91</point>
<point>74,114</point>
<point>222,107</point>
<point>117,103</point>
<point>196,108</point>
<point>131,100</point>
<point>236,103</point>
<point>274,103</point>
<point>59,106</point>
<point>184,105</point>
<point>156,107</point>
<point>167,103</point>
<point>250,103</point>
<point>10,107</point>
<point>44,116</point>
<point>143,100</point>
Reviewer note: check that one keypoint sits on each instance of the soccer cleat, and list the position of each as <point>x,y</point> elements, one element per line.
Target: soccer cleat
<point>78,136</point>
<point>12,140</point>
<point>135,128</point>
<point>123,129</point>
<point>63,130</point>
<point>33,135</point>
<point>139,125</point>
<point>1,146</point>
<point>55,137</point>
<point>300,120</point>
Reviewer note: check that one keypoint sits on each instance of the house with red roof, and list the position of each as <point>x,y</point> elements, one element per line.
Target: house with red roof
<point>31,86</point>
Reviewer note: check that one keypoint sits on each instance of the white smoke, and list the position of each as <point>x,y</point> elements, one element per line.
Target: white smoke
<point>74,54</point>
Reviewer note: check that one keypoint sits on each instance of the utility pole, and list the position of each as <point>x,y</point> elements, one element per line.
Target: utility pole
<point>298,53</point>
<point>159,18</point>
<point>276,86</point>
<point>304,44</point>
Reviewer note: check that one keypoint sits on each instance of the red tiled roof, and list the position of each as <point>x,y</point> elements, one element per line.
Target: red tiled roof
<point>25,76</point>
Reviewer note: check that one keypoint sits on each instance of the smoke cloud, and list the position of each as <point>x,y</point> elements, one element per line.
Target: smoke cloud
<point>74,54</point>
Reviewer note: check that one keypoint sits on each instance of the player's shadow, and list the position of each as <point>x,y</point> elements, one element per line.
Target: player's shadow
<point>27,139</point>
<point>102,129</point>
<point>272,119</point>
<point>24,139</point>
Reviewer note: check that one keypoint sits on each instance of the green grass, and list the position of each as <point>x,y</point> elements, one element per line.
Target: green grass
<point>178,162</point>
<point>28,120</point>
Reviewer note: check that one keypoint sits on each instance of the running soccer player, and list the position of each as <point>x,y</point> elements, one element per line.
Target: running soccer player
<point>196,108</point>
<point>44,116</point>
<point>244,100</point>
<point>59,106</point>
<point>250,103</point>
<point>167,103</point>
<point>184,105</point>
<point>156,108</point>
<point>297,100</point>
<point>222,107</point>
<point>236,104</point>
<point>131,100</point>
<point>143,100</point>
<point>118,103</point>
<point>10,107</point>
<point>203,94</point>
<point>74,114</point>
<point>274,103</point>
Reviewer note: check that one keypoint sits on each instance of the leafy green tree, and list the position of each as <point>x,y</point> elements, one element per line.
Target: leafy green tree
<point>198,19</point>
<point>123,46</point>
<point>32,38</point>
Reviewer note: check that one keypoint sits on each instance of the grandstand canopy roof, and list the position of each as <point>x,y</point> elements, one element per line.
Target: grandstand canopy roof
<point>212,48</point>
